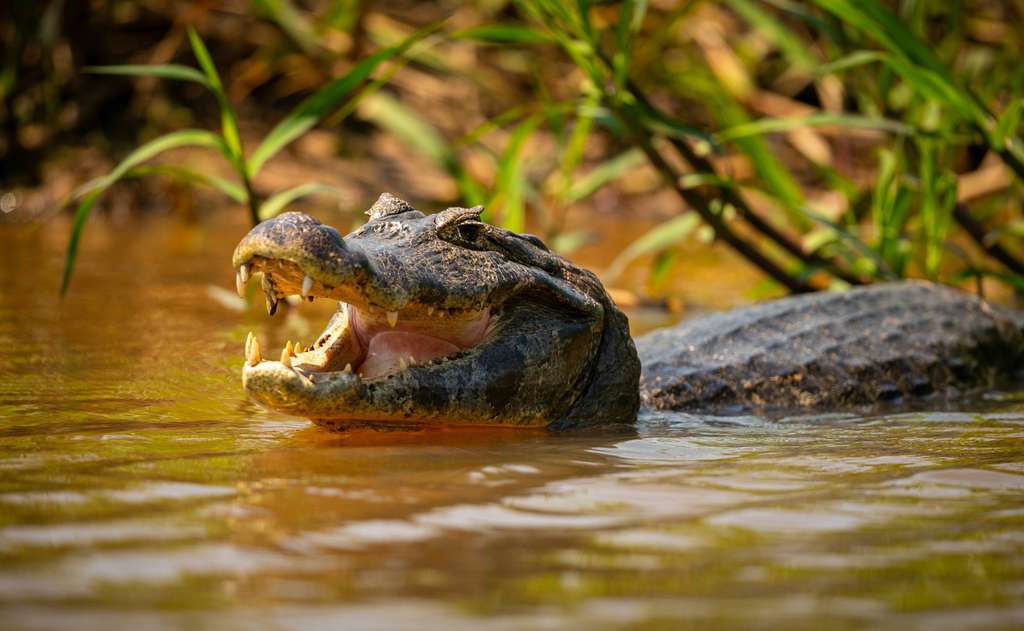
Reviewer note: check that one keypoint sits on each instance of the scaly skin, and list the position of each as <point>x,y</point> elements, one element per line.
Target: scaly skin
<point>510,334</point>
<point>833,351</point>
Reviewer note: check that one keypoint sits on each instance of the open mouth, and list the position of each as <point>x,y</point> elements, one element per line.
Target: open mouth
<point>363,340</point>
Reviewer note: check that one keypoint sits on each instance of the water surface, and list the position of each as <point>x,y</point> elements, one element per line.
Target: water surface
<point>140,489</point>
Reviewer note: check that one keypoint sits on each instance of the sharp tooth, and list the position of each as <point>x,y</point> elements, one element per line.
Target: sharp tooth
<point>348,367</point>
<point>286,356</point>
<point>401,363</point>
<point>307,286</point>
<point>430,310</point>
<point>248,344</point>
<point>412,360</point>
<point>253,354</point>
<point>270,292</point>
<point>240,284</point>
<point>243,272</point>
<point>392,318</point>
<point>293,349</point>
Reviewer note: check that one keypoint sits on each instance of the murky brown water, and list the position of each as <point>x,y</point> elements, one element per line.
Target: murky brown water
<point>139,489</point>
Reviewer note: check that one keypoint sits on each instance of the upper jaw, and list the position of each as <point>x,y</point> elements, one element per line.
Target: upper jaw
<point>412,269</point>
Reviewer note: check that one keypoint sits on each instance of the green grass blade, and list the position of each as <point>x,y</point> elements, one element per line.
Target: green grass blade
<point>821,119</point>
<point>778,180</point>
<point>659,123</point>
<point>311,110</point>
<point>1009,121</point>
<point>913,58</point>
<point>657,239</point>
<point>409,127</point>
<point>582,18</point>
<point>202,56</point>
<point>622,56</point>
<point>495,122</point>
<point>503,34</point>
<point>229,123</point>
<point>561,26</point>
<point>278,202</point>
<point>173,140</point>
<point>177,72</point>
<point>787,41</point>
<point>416,132</point>
<point>934,85</point>
<point>92,190</point>
<point>77,227</point>
<point>234,191</point>
<point>927,82</point>
<point>938,196</point>
<point>509,192</point>
<point>602,175</point>
<point>565,243</point>
<point>871,17</point>
<point>290,20</point>
<point>574,146</point>
<point>852,242</point>
<point>853,60</point>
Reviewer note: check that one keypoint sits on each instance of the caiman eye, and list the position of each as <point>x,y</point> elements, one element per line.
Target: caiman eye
<point>460,226</point>
<point>469,232</point>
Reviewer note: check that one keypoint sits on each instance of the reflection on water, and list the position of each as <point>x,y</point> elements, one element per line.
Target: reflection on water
<point>139,489</point>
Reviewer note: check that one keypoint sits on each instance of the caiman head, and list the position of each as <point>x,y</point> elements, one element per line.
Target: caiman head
<point>442,319</point>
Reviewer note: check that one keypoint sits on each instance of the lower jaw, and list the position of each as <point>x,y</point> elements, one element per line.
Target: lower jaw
<point>333,406</point>
<point>343,401</point>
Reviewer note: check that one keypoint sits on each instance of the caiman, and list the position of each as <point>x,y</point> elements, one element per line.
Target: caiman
<point>445,319</point>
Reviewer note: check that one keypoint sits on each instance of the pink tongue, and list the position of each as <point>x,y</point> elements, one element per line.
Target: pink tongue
<point>386,349</point>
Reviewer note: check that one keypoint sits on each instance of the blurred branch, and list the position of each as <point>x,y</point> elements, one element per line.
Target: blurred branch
<point>979,234</point>
<point>697,202</point>
<point>703,165</point>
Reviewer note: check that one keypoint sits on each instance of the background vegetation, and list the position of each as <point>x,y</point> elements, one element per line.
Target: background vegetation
<point>828,142</point>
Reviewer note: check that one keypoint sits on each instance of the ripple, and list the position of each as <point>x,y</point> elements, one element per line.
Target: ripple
<point>174,564</point>
<point>973,479</point>
<point>89,534</point>
<point>784,520</point>
<point>160,491</point>
<point>54,498</point>
<point>626,496</point>
<point>365,533</point>
<point>494,517</point>
<point>649,539</point>
<point>666,450</point>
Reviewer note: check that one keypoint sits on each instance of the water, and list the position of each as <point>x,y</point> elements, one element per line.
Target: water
<point>140,489</point>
